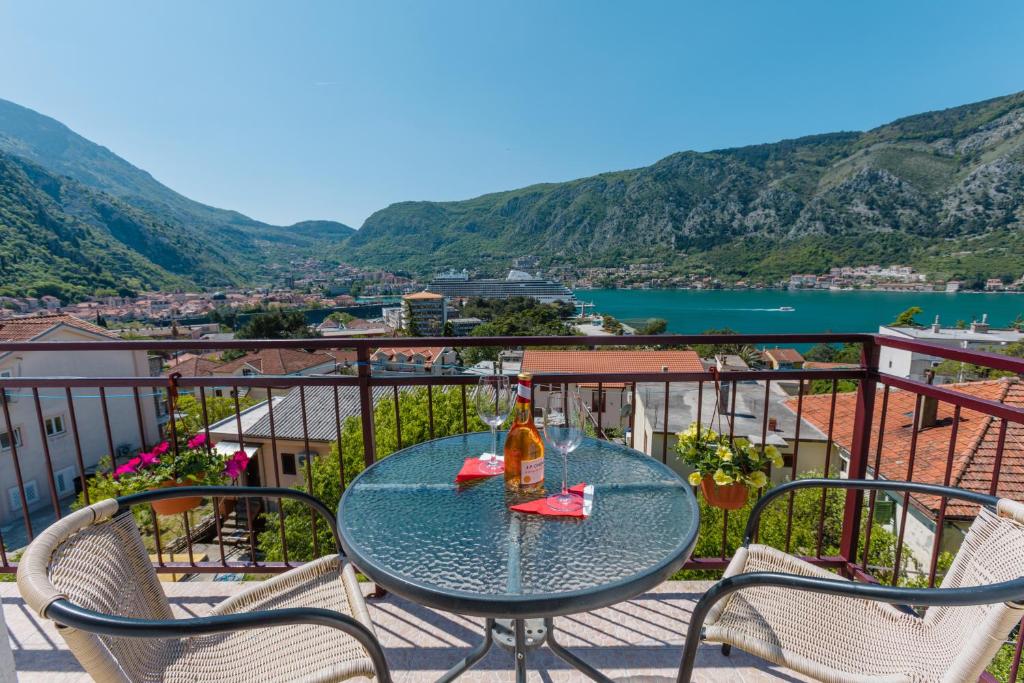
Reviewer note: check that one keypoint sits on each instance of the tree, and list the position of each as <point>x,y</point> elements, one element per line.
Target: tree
<point>276,325</point>
<point>906,318</point>
<point>611,325</point>
<point>412,404</point>
<point>654,326</point>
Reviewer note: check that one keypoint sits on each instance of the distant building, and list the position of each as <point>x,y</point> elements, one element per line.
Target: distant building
<point>392,317</point>
<point>424,314</point>
<point>742,415</point>
<point>420,360</point>
<point>913,364</point>
<point>461,327</point>
<point>994,284</point>
<point>289,437</point>
<point>458,285</point>
<point>783,359</point>
<point>612,399</point>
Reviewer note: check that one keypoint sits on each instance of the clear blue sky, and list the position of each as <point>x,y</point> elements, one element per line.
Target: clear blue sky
<point>291,111</point>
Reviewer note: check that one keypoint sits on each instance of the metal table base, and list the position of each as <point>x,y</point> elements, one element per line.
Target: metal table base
<point>519,636</point>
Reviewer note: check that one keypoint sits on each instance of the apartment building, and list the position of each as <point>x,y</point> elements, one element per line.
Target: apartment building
<point>33,439</point>
<point>424,314</point>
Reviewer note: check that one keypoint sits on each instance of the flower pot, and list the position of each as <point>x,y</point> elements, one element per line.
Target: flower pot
<point>728,497</point>
<point>176,506</point>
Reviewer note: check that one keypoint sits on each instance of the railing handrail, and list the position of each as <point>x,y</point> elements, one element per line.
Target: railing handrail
<point>988,359</point>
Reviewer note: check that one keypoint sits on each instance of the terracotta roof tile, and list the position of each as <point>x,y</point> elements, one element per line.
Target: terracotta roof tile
<point>277,361</point>
<point>625,362</point>
<point>28,328</point>
<point>784,355</point>
<point>973,453</point>
<point>423,295</point>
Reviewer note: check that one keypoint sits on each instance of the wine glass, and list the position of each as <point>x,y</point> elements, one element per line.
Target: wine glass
<point>493,399</point>
<point>564,417</point>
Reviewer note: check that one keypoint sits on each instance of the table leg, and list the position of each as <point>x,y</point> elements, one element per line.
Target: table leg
<point>569,657</point>
<point>520,651</point>
<point>474,656</point>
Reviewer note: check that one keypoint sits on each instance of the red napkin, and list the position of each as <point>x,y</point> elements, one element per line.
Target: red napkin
<point>540,506</point>
<point>476,468</point>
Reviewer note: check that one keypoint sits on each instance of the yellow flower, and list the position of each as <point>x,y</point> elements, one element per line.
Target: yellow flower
<point>692,431</point>
<point>724,453</point>
<point>722,479</point>
<point>757,479</point>
<point>777,461</point>
<point>695,478</point>
<point>772,452</point>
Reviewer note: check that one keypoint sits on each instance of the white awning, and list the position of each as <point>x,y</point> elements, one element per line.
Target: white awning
<point>229,448</point>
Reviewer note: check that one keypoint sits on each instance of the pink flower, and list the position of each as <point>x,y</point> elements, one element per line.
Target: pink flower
<point>149,458</point>
<point>236,464</point>
<point>161,448</point>
<point>129,467</point>
<point>197,440</point>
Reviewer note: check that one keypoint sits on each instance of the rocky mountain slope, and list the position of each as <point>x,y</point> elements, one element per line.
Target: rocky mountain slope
<point>942,190</point>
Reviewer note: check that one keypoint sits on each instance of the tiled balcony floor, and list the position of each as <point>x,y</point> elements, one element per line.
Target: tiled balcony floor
<point>641,638</point>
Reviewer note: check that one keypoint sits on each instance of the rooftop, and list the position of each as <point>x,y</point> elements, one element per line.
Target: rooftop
<point>750,407</point>
<point>424,295</point>
<point>29,328</point>
<point>976,440</point>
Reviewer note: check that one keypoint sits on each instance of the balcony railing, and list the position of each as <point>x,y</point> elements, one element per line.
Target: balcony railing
<point>121,410</point>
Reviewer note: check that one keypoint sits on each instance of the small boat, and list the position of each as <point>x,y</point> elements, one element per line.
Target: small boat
<point>786,308</point>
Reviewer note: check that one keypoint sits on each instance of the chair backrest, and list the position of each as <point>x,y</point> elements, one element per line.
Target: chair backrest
<point>992,552</point>
<point>98,561</point>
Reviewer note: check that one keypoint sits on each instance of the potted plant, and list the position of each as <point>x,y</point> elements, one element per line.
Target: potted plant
<point>192,463</point>
<point>725,471</point>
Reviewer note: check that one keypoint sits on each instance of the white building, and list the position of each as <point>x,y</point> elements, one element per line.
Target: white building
<point>914,364</point>
<point>32,439</point>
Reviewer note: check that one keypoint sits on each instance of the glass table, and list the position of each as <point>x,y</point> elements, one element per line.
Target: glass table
<point>458,548</point>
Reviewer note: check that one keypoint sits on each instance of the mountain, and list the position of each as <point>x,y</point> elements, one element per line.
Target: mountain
<point>237,244</point>
<point>943,191</point>
<point>59,237</point>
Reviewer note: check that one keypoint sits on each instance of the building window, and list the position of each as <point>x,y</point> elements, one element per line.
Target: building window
<point>65,481</point>
<point>288,464</point>
<point>5,439</point>
<point>54,425</point>
<point>31,495</point>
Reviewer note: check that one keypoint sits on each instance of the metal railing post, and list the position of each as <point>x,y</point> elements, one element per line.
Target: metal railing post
<point>366,404</point>
<point>861,444</point>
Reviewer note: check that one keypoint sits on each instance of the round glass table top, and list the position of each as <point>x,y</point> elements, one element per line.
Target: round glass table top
<point>410,528</point>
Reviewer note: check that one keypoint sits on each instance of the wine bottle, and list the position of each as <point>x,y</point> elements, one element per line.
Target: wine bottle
<point>524,449</point>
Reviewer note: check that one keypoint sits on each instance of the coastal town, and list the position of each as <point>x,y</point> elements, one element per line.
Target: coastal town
<point>312,284</point>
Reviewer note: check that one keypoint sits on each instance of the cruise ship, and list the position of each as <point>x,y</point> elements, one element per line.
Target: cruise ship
<point>458,285</point>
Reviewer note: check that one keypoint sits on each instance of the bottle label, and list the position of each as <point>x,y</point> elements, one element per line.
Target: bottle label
<point>532,472</point>
<point>523,392</point>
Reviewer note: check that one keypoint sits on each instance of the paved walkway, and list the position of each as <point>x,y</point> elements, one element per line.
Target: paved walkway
<point>638,639</point>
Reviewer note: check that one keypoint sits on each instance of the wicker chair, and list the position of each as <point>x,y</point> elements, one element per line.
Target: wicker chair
<point>90,573</point>
<point>797,615</point>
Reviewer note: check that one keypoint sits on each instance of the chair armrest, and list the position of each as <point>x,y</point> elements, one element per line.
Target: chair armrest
<point>862,484</point>
<point>125,502</point>
<point>68,614</point>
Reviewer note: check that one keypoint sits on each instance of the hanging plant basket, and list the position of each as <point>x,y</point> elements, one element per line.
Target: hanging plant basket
<point>728,497</point>
<point>175,506</point>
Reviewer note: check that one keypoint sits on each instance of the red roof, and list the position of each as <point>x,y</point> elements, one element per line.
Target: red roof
<point>424,295</point>
<point>28,328</point>
<point>625,362</point>
<point>973,454</point>
<point>278,361</point>
<point>429,353</point>
<point>784,355</point>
